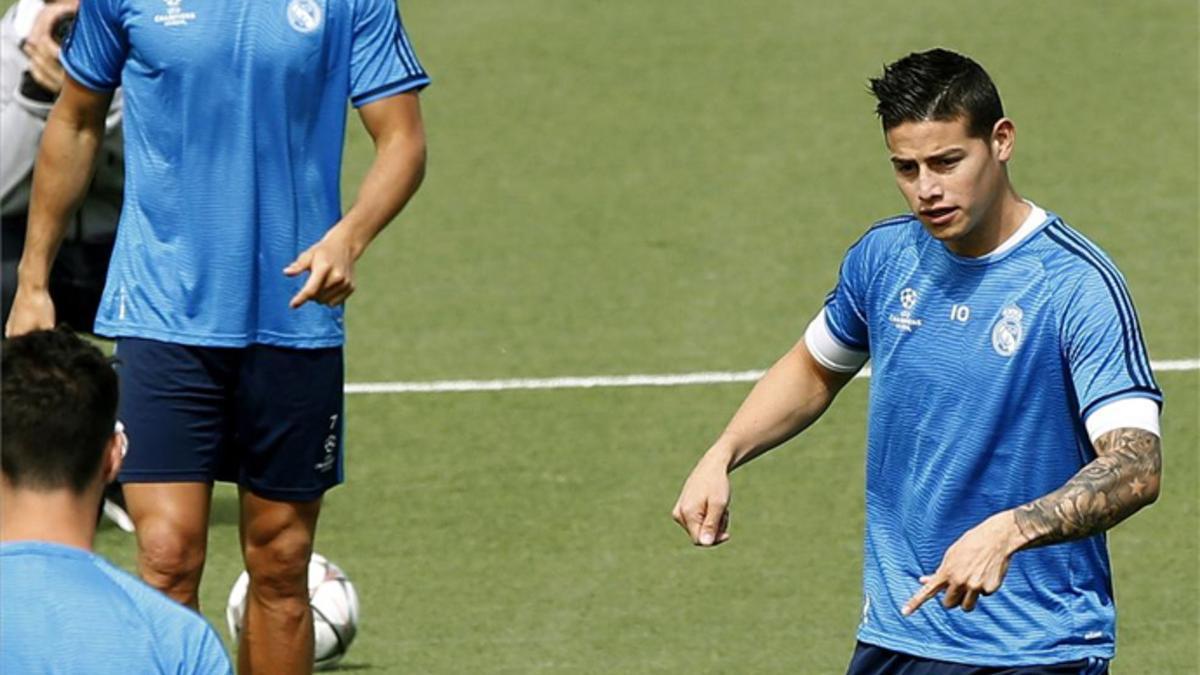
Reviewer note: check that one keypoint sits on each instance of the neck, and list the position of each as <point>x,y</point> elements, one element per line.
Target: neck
<point>1002,221</point>
<point>56,516</point>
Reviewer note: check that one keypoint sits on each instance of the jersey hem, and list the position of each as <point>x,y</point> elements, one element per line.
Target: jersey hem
<point>262,337</point>
<point>289,494</point>
<point>841,337</point>
<point>1130,392</point>
<point>1024,658</point>
<point>409,83</point>
<point>166,476</point>
<point>305,494</point>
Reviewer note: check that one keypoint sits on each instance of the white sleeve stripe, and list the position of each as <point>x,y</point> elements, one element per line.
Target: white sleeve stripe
<point>829,351</point>
<point>1137,412</point>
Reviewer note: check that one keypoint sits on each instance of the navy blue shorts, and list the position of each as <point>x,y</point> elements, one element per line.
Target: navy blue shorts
<point>873,660</point>
<point>267,418</point>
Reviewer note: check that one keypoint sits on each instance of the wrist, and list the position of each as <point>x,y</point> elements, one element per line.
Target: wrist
<point>352,238</point>
<point>33,278</point>
<point>1012,535</point>
<point>723,453</point>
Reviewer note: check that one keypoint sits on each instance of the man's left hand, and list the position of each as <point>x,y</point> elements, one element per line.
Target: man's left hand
<point>330,264</point>
<point>974,565</point>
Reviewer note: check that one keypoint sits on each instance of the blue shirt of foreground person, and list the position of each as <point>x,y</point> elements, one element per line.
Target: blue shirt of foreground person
<point>64,609</point>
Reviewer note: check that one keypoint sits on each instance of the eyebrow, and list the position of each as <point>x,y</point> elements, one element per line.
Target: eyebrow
<point>943,154</point>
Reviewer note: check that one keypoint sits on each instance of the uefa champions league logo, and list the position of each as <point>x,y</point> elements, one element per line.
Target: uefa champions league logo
<point>175,15</point>
<point>905,321</point>
<point>1007,333</point>
<point>304,16</point>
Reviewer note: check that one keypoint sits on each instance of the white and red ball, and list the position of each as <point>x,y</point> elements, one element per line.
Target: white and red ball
<point>334,604</point>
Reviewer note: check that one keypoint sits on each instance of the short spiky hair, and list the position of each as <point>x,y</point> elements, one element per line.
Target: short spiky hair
<point>937,85</point>
<point>60,405</point>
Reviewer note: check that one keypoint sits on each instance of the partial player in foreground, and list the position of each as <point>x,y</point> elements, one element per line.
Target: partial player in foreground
<point>232,262</point>
<point>1014,415</point>
<point>64,609</point>
<point>31,77</point>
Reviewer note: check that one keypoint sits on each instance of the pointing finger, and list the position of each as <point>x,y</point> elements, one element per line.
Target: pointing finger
<point>930,589</point>
<point>311,287</point>
<point>301,263</point>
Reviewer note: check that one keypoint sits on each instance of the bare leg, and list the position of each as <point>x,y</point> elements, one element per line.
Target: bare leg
<point>171,522</point>
<point>277,541</point>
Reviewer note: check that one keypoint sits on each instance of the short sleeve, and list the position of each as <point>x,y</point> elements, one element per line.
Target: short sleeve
<point>845,306</point>
<point>1102,339</point>
<point>94,53</point>
<point>382,61</point>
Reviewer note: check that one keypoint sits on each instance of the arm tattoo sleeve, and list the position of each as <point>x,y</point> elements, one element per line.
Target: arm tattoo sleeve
<point>1123,478</point>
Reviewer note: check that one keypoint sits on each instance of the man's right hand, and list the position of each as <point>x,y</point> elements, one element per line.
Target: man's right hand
<point>31,310</point>
<point>43,50</point>
<point>703,505</point>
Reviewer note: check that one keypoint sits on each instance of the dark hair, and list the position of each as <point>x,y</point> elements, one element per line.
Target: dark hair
<point>59,407</point>
<point>937,85</point>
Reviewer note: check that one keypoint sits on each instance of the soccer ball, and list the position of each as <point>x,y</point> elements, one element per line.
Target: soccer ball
<point>334,604</point>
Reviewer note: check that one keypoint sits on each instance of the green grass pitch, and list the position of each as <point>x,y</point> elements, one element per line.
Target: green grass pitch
<point>629,186</point>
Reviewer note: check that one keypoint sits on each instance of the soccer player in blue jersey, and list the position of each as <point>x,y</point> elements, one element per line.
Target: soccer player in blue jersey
<point>64,609</point>
<point>1013,412</point>
<point>232,261</point>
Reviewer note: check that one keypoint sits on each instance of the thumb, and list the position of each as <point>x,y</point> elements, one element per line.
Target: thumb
<point>301,263</point>
<point>712,520</point>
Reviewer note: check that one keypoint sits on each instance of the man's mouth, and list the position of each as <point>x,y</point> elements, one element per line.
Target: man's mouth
<point>939,216</point>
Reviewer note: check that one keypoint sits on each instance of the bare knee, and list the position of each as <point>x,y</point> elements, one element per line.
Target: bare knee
<point>171,558</point>
<point>278,566</point>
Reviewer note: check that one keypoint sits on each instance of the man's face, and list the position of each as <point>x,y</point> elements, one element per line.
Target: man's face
<point>952,181</point>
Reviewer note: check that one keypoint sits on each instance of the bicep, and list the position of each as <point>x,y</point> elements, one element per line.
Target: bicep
<point>815,370</point>
<point>1138,454</point>
<point>80,107</point>
<point>394,117</point>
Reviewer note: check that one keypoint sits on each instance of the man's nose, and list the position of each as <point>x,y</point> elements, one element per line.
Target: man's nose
<point>929,186</point>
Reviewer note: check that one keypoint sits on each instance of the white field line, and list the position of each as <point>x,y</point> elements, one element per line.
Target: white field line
<point>668,380</point>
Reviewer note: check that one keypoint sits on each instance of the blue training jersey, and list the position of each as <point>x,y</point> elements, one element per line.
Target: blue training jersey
<point>235,114</point>
<point>66,610</point>
<point>983,372</point>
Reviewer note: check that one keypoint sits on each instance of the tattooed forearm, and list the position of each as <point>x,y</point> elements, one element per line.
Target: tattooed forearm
<point>1123,478</point>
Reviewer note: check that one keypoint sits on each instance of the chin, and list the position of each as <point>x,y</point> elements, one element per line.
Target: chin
<point>952,231</point>
<point>948,232</point>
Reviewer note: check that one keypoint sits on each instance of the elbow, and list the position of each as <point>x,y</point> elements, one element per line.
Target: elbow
<point>1148,484</point>
<point>1154,473</point>
<point>1153,489</point>
<point>419,158</point>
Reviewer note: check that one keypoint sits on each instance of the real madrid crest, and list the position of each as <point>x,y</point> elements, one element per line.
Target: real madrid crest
<point>304,16</point>
<point>1007,333</point>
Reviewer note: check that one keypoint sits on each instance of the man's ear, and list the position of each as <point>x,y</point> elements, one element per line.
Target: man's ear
<point>1004,138</point>
<point>114,453</point>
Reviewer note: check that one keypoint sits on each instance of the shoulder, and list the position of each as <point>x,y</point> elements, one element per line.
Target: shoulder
<point>885,239</point>
<point>1074,263</point>
<point>172,622</point>
<point>891,234</point>
<point>370,9</point>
